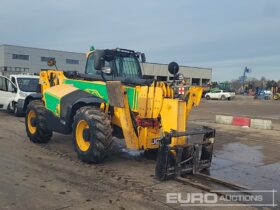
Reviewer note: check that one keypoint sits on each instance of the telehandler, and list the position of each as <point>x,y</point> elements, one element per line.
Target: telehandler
<point>112,95</point>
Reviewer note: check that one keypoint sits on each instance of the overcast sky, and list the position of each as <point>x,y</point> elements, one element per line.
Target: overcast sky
<point>225,35</point>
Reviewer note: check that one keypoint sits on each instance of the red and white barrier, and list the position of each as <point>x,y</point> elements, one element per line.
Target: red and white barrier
<point>241,121</point>
<point>244,121</point>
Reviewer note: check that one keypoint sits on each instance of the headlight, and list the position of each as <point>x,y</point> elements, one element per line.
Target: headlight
<point>23,95</point>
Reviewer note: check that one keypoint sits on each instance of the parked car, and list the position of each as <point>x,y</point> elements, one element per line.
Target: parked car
<point>263,95</point>
<point>220,94</point>
<point>14,90</point>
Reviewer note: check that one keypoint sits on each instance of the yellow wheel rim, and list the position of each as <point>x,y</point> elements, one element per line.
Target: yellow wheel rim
<point>81,142</point>
<point>31,115</point>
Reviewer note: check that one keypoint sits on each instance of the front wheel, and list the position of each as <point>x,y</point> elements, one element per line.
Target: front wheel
<point>223,97</point>
<point>207,97</point>
<point>36,122</point>
<point>92,134</point>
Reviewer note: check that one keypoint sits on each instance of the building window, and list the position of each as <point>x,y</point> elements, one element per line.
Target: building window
<point>46,59</point>
<point>20,57</point>
<point>196,81</point>
<point>18,69</point>
<point>187,80</point>
<point>72,61</point>
<point>161,78</point>
<point>148,77</point>
<point>205,81</point>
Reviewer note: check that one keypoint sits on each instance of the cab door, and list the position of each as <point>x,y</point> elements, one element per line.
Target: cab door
<point>7,92</point>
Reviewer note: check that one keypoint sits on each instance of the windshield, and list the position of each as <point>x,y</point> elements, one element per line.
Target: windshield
<point>28,84</point>
<point>124,65</point>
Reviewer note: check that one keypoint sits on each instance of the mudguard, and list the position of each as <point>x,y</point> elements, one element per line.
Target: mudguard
<point>63,124</point>
<point>85,101</point>
<point>31,97</point>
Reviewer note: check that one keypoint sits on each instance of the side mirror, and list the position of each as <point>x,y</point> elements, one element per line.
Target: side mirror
<point>173,68</point>
<point>99,59</point>
<point>100,56</point>
<point>143,58</point>
<point>51,62</point>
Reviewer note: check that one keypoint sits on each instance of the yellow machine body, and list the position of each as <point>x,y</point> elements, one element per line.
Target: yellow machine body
<point>155,103</point>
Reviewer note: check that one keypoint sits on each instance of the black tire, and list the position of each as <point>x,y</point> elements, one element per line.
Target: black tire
<point>207,97</point>
<point>42,134</point>
<point>223,98</point>
<point>17,113</point>
<point>98,134</point>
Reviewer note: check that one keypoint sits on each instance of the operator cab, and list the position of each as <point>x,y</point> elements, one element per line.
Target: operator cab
<point>116,63</point>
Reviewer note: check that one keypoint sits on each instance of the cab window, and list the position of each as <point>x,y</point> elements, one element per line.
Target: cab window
<point>125,65</point>
<point>6,85</point>
<point>128,66</point>
<point>92,71</point>
<point>28,84</point>
<point>3,84</point>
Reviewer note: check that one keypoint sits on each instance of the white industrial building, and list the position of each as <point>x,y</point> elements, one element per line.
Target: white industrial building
<point>192,75</point>
<point>18,59</point>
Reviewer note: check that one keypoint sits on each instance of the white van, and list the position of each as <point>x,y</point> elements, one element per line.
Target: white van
<point>15,89</point>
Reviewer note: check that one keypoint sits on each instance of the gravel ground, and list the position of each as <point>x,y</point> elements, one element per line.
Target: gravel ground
<point>50,176</point>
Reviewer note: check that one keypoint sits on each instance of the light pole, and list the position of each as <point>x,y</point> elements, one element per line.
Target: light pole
<point>246,71</point>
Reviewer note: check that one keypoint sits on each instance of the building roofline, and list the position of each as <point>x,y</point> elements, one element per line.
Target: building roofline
<point>37,48</point>
<point>205,68</point>
<point>64,51</point>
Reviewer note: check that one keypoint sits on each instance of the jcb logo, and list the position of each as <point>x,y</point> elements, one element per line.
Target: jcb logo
<point>155,141</point>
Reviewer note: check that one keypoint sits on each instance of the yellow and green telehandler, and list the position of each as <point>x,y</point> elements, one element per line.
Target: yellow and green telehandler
<point>113,96</point>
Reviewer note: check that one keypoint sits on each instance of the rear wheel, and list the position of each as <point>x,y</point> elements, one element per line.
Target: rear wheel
<point>36,122</point>
<point>275,97</point>
<point>92,134</point>
<point>208,97</point>
<point>223,97</point>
